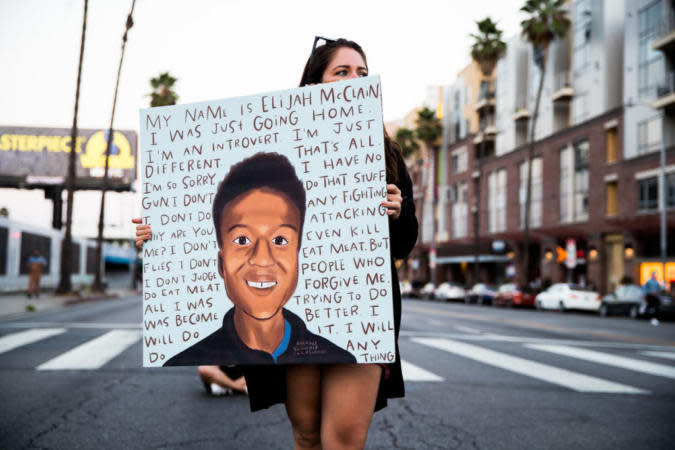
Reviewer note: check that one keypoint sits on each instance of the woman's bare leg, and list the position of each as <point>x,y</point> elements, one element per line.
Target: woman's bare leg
<point>303,405</point>
<point>348,394</point>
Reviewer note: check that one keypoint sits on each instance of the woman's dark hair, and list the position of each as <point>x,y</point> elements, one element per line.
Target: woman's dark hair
<point>261,171</point>
<point>316,65</point>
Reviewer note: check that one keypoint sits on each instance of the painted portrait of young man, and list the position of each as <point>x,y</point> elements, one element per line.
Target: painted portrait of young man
<point>259,214</point>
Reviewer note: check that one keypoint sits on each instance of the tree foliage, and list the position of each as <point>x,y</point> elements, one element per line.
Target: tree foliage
<point>547,20</point>
<point>488,45</point>
<point>406,140</point>
<point>163,93</point>
<point>429,129</point>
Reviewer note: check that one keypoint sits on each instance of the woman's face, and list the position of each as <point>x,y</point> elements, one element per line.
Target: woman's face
<point>346,64</point>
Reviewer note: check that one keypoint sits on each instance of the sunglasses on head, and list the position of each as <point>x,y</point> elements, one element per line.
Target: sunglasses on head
<point>320,38</point>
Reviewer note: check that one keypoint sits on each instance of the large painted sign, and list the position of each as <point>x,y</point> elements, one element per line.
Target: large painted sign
<point>270,243</point>
<point>39,156</point>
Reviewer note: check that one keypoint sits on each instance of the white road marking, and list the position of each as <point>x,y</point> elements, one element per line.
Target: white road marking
<point>609,360</point>
<point>95,353</point>
<point>12,341</point>
<point>464,329</point>
<point>411,372</point>
<point>543,372</point>
<point>665,355</point>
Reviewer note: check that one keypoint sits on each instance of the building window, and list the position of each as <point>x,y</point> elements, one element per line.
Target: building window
<point>612,150</point>
<point>651,69</point>
<point>459,160</point>
<point>459,210</point>
<point>648,194</point>
<point>582,36</point>
<point>649,135</point>
<point>612,198</point>
<point>497,201</point>
<point>580,108</point>
<point>574,182</point>
<point>535,200</point>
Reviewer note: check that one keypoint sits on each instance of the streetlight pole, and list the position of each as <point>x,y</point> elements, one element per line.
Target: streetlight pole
<point>662,198</point>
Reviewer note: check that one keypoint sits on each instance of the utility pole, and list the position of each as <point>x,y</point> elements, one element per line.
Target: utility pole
<point>98,284</point>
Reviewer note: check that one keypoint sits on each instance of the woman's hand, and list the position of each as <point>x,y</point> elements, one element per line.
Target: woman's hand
<point>143,232</point>
<point>393,202</point>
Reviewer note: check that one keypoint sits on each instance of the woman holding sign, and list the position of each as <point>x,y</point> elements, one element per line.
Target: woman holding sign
<point>331,406</point>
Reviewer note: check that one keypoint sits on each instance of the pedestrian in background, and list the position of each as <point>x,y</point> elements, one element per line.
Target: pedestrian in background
<point>35,264</point>
<point>222,380</point>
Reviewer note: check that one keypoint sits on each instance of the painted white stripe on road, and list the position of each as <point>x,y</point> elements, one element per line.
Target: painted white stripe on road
<point>15,340</point>
<point>543,372</point>
<point>609,359</point>
<point>411,372</point>
<point>95,353</point>
<point>665,355</point>
<point>464,329</point>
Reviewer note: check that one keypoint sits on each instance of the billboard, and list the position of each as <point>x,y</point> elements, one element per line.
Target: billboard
<point>37,157</point>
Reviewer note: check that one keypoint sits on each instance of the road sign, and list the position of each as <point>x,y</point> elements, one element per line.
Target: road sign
<point>571,249</point>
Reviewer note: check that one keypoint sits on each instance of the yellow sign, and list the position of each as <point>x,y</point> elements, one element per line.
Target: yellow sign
<point>39,143</point>
<point>646,270</point>
<point>120,152</point>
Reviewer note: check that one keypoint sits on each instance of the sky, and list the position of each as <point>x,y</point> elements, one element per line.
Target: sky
<point>221,49</point>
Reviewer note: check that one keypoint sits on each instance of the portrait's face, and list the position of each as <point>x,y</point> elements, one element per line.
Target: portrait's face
<point>346,64</point>
<point>258,259</point>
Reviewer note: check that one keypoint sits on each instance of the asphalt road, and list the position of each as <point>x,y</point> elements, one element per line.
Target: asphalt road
<point>477,377</point>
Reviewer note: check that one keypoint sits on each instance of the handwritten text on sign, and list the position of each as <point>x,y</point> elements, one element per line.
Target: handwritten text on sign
<point>332,135</point>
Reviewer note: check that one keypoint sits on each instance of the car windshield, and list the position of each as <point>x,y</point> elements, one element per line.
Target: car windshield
<point>507,287</point>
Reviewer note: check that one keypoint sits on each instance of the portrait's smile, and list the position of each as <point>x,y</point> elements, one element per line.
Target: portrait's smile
<point>259,253</point>
<point>261,284</point>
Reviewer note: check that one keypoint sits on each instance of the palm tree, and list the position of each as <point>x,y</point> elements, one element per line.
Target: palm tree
<point>66,244</point>
<point>488,45</point>
<point>163,93</point>
<point>98,284</point>
<point>429,130</point>
<point>406,140</point>
<point>547,21</point>
<point>486,50</point>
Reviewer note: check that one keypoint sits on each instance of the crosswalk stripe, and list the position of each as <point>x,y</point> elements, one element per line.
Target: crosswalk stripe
<point>95,353</point>
<point>411,372</point>
<point>665,355</point>
<point>608,359</point>
<point>544,372</point>
<point>14,340</point>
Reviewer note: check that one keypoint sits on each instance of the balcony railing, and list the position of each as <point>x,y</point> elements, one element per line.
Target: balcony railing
<point>486,98</point>
<point>668,87</point>
<point>562,86</point>
<point>665,25</point>
<point>522,111</point>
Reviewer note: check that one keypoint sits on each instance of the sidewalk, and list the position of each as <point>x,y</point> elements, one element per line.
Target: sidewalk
<point>17,304</point>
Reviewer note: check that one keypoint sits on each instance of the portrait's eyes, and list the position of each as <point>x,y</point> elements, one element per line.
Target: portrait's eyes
<point>241,240</point>
<point>280,240</point>
<point>363,74</point>
<point>341,73</point>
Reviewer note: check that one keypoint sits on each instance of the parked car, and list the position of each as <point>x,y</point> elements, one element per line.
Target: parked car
<point>450,291</point>
<point>480,293</point>
<point>417,286</point>
<point>657,305</point>
<point>564,296</point>
<point>406,288</point>
<point>427,291</point>
<point>511,295</point>
<point>625,300</point>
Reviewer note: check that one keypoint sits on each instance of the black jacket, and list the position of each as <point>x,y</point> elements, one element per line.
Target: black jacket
<point>224,347</point>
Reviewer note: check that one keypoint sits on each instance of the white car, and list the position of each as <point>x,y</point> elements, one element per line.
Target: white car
<point>449,291</point>
<point>428,291</point>
<point>406,288</point>
<point>564,296</point>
